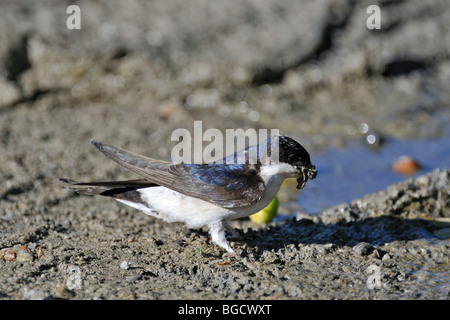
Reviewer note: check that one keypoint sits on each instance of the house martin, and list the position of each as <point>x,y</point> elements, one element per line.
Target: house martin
<point>205,194</point>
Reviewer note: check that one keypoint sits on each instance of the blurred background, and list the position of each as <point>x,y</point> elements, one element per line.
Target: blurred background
<point>357,99</point>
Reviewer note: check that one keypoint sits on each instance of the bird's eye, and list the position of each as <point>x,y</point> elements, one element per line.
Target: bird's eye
<point>292,158</point>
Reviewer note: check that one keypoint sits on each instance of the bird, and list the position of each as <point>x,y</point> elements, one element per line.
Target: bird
<point>205,195</point>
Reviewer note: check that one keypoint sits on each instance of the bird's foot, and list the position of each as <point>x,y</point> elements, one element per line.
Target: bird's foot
<point>217,231</point>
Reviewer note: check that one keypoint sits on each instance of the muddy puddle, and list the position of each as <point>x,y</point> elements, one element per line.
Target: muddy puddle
<point>352,172</point>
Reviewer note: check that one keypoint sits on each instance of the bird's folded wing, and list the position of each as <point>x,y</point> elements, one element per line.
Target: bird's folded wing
<point>229,186</point>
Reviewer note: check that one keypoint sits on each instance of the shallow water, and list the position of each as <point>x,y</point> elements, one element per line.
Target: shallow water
<point>350,173</point>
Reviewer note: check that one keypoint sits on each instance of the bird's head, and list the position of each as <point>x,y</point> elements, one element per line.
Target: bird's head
<point>292,153</point>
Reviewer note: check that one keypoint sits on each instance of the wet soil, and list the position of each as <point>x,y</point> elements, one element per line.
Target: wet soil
<point>138,70</point>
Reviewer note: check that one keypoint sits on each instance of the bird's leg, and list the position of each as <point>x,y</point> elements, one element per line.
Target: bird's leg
<point>234,234</point>
<point>217,232</point>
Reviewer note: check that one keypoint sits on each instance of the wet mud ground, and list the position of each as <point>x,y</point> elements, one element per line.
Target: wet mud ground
<point>137,71</point>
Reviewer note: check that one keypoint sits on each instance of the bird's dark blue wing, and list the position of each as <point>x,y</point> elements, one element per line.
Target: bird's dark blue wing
<point>230,185</point>
<point>228,176</point>
<point>226,185</point>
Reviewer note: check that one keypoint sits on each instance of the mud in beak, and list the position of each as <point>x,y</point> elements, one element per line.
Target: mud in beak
<point>306,173</point>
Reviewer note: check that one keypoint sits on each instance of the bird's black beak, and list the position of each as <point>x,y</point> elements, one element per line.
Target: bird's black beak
<point>307,172</point>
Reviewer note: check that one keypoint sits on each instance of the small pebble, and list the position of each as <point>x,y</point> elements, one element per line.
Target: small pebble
<point>8,254</point>
<point>168,107</point>
<point>17,253</point>
<point>40,252</point>
<point>363,248</point>
<point>64,292</point>
<point>35,294</point>
<point>442,234</point>
<point>23,253</point>
<point>406,165</point>
<point>131,279</point>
